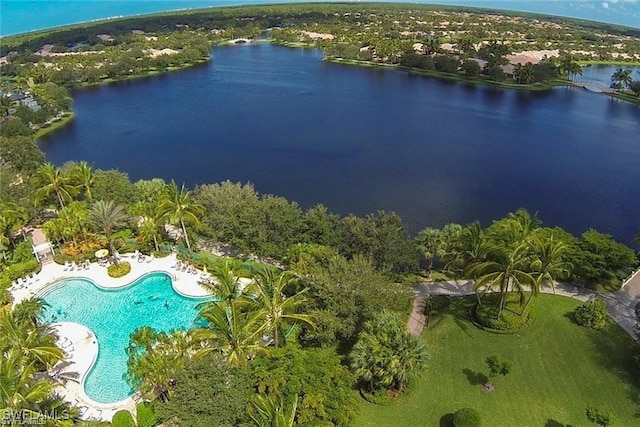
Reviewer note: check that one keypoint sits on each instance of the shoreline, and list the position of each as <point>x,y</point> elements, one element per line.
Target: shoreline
<point>537,87</point>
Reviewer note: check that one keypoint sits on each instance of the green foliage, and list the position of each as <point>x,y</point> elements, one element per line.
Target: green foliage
<point>497,366</point>
<point>145,417</point>
<point>347,293</point>
<point>119,270</point>
<point>208,392</point>
<point>313,376</point>
<point>602,261</point>
<point>471,68</point>
<point>123,418</point>
<point>515,317</point>
<point>599,417</point>
<point>115,186</point>
<point>21,152</point>
<point>385,355</point>
<point>467,417</point>
<point>592,314</point>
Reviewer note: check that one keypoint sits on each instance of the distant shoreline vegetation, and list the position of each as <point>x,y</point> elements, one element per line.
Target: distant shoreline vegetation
<point>479,46</point>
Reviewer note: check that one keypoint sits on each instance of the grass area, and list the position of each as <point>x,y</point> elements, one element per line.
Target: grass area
<point>53,126</point>
<point>558,370</point>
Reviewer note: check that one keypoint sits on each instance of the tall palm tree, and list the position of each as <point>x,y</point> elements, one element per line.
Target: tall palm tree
<point>32,343</point>
<point>83,177</point>
<point>505,269</point>
<point>548,264</point>
<point>431,243</point>
<point>154,360</point>
<point>269,286</point>
<point>12,217</point>
<point>50,180</point>
<point>107,216</point>
<point>234,328</point>
<point>19,390</point>
<point>621,79</point>
<point>227,279</point>
<point>179,208</point>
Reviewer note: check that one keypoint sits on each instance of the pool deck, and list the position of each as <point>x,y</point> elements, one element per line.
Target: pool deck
<point>79,343</point>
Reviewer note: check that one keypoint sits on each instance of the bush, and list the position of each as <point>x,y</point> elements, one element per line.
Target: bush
<point>119,270</point>
<point>123,418</point>
<point>17,271</point>
<point>512,319</point>
<point>145,415</point>
<point>592,314</point>
<point>467,417</point>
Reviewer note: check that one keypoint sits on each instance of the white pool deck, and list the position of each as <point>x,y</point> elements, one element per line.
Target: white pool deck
<point>79,343</point>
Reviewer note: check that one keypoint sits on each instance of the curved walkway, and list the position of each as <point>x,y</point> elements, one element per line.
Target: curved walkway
<point>620,305</point>
<point>79,343</point>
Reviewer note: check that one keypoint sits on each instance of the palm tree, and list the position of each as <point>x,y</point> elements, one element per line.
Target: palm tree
<point>154,360</point>
<point>269,287</point>
<point>525,73</point>
<point>269,411</point>
<point>19,390</point>
<point>32,343</point>
<point>548,264</point>
<point>83,177</point>
<point>431,244</point>
<point>234,328</point>
<point>505,270</point>
<point>180,209</point>
<point>569,66</point>
<point>385,355</point>
<point>107,216</point>
<point>49,180</point>
<point>621,79</point>
<point>12,218</point>
<point>227,284</point>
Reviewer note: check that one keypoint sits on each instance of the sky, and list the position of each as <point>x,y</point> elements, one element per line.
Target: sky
<point>18,16</point>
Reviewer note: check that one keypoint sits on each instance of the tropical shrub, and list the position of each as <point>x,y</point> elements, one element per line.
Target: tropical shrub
<point>16,271</point>
<point>119,270</point>
<point>145,417</point>
<point>592,314</point>
<point>467,417</point>
<point>599,417</point>
<point>123,418</point>
<point>385,355</point>
<point>514,317</point>
<point>313,375</point>
<point>208,392</point>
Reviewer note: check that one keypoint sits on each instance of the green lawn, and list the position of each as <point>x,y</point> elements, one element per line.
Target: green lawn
<point>558,369</point>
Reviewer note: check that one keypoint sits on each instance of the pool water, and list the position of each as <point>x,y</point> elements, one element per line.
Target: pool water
<point>113,315</point>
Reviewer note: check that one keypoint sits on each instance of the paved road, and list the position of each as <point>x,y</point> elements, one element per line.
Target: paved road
<point>621,305</point>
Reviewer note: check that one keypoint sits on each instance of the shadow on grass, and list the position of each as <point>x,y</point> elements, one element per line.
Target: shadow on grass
<point>446,420</point>
<point>554,423</point>
<point>475,378</point>
<point>614,350</point>
<point>458,307</point>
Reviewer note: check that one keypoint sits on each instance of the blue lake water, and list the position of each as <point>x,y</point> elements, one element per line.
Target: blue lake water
<point>18,16</point>
<point>113,315</point>
<point>359,140</point>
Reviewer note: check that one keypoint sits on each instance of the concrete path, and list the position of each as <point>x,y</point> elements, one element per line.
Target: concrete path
<point>620,305</point>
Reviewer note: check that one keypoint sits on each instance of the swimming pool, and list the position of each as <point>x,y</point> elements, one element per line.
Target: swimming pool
<point>113,314</point>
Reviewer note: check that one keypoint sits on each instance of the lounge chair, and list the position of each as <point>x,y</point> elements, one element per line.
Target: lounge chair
<point>151,257</point>
<point>67,265</point>
<point>141,258</point>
